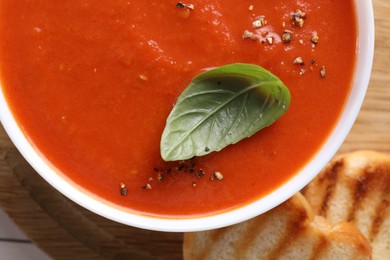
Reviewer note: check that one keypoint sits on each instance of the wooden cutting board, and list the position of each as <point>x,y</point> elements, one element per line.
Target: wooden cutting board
<point>64,230</point>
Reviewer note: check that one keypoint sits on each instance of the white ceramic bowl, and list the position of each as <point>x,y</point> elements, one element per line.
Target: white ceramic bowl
<point>362,75</point>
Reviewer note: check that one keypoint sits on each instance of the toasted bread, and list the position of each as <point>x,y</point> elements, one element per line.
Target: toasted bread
<point>289,231</point>
<point>355,187</point>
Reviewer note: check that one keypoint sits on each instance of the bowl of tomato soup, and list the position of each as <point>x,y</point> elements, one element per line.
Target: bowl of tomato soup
<point>86,89</point>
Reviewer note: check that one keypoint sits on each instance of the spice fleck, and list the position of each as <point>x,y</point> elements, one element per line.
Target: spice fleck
<point>180,5</point>
<point>249,35</point>
<point>123,191</point>
<point>264,33</point>
<point>218,175</point>
<point>298,61</point>
<point>259,22</point>
<point>286,37</point>
<point>323,72</point>
<point>315,38</point>
<point>200,173</point>
<point>143,77</point>
<point>270,40</point>
<point>146,187</point>
<point>298,18</point>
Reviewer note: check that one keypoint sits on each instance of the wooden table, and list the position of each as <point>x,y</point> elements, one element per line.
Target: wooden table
<point>66,231</point>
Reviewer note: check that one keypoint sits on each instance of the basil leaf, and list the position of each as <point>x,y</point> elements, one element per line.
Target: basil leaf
<point>221,107</point>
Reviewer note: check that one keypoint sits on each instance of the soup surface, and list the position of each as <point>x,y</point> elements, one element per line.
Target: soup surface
<point>91,84</point>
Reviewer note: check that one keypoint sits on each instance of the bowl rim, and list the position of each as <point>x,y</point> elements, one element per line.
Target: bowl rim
<point>365,51</point>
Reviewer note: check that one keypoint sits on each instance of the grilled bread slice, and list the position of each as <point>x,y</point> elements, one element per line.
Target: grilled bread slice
<point>289,231</point>
<point>355,187</point>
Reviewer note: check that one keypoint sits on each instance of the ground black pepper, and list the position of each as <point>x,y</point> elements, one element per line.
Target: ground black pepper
<point>180,5</point>
<point>123,191</point>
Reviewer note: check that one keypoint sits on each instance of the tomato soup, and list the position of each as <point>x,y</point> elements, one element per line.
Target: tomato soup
<point>91,84</point>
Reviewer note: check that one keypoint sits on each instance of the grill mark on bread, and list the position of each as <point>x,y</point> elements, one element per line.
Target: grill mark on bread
<point>294,228</point>
<point>383,187</point>
<point>252,227</point>
<point>218,234</point>
<point>359,192</point>
<point>244,244</point>
<point>214,236</point>
<point>331,175</point>
<point>378,219</point>
<point>372,177</point>
<point>320,247</point>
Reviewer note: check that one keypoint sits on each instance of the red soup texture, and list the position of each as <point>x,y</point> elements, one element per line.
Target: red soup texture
<point>91,84</point>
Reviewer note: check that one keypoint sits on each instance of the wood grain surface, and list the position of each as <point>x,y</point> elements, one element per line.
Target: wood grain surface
<point>66,231</point>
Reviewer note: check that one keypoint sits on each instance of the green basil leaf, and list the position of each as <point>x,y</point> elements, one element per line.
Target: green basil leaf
<point>221,107</point>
